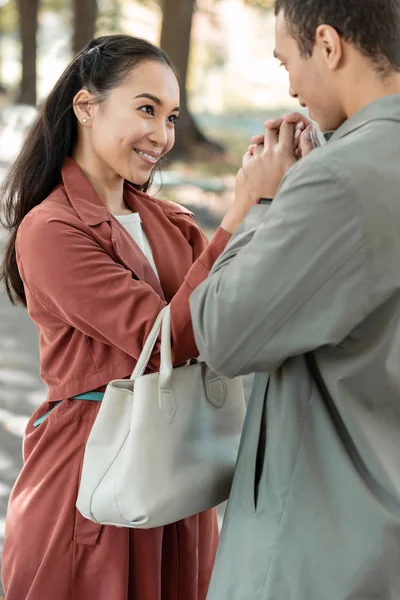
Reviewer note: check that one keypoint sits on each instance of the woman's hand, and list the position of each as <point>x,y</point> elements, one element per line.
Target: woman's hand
<point>265,166</point>
<point>241,205</point>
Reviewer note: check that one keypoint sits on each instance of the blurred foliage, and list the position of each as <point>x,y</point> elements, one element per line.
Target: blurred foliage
<point>9,17</point>
<point>110,12</point>
<point>265,4</point>
<point>55,5</point>
<point>109,19</point>
<point>260,3</point>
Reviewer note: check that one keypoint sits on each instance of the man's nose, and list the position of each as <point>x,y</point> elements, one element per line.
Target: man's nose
<point>292,92</point>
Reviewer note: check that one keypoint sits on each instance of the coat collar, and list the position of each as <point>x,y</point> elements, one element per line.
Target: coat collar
<point>92,211</point>
<point>84,199</point>
<point>386,108</point>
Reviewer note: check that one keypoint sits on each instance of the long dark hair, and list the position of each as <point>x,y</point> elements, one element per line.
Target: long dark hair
<point>100,67</point>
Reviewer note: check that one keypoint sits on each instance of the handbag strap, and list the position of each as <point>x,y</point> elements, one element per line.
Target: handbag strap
<point>166,353</point>
<point>163,323</point>
<point>148,347</point>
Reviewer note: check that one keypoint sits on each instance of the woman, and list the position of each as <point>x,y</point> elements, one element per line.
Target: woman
<point>94,259</point>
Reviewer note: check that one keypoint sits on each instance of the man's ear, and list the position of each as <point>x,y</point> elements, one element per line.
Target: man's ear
<point>330,46</point>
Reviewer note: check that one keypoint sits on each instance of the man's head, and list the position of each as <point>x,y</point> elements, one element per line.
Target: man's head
<point>336,50</point>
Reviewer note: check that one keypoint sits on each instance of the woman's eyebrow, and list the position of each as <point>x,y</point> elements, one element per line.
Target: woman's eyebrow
<point>155,100</point>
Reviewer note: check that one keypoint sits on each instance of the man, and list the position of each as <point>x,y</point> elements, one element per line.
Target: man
<point>307,295</point>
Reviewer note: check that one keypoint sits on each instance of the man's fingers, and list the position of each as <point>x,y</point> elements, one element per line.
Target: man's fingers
<point>273,123</point>
<point>286,137</point>
<point>247,158</point>
<point>296,117</point>
<point>270,124</point>
<point>271,138</point>
<point>306,142</point>
<point>300,120</point>
<point>258,150</point>
<point>258,139</point>
<point>298,131</point>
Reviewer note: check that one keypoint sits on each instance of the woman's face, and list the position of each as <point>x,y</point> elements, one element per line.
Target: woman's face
<point>135,126</point>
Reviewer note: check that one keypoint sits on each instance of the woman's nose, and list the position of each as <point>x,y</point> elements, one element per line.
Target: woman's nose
<point>159,135</point>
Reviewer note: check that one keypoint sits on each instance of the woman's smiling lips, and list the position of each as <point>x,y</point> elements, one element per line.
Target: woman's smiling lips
<point>149,157</point>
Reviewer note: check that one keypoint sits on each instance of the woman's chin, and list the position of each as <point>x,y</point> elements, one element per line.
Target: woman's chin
<point>138,179</point>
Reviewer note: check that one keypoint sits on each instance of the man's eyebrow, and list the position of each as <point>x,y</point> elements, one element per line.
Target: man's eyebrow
<point>155,100</point>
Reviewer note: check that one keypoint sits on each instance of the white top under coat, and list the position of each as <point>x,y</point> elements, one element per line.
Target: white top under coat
<point>133,225</point>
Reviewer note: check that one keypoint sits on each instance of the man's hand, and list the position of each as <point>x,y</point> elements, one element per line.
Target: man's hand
<point>305,137</point>
<point>267,163</point>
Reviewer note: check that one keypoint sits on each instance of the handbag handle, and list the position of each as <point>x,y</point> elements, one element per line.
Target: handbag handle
<point>167,401</point>
<point>166,355</point>
<point>148,347</point>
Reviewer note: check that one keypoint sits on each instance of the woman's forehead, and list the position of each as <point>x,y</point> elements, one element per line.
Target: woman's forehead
<point>152,78</point>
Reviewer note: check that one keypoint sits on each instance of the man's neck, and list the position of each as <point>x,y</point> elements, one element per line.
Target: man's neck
<point>369,89</point>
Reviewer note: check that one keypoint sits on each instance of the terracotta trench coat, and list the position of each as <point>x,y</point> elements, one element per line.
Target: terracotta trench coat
<point>94,297</point>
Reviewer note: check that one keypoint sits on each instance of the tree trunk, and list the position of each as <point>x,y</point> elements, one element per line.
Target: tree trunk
<point>28,15</point>
<point>84,23</point>
<point>2,87</point>
<point>175,41</point>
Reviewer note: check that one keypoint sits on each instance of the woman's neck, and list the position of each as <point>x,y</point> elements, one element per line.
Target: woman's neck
<point>108,185</point>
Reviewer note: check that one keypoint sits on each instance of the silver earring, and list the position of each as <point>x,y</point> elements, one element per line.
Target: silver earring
<point>84,120</point>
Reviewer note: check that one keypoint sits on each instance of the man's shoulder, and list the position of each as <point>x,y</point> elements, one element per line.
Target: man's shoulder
<point>370,144</point>
<point>354,158</point>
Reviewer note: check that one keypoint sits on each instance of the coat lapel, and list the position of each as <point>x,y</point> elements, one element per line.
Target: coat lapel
<point>131,256</point>
<point>90,208</point>
<point>171,251</point>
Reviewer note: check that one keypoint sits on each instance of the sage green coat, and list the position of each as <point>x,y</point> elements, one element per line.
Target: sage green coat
<point>318,518</point>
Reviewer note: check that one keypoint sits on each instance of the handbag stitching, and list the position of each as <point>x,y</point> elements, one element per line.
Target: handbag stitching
<point>218,404</point>
<point>170,417</point>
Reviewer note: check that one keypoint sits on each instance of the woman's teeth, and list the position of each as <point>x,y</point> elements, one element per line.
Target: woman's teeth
<point>147,156</point>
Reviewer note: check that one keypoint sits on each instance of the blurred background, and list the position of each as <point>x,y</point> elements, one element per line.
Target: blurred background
<point>230,83</point>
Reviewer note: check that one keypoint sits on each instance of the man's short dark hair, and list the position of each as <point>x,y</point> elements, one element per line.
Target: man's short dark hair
<point>373,26</point>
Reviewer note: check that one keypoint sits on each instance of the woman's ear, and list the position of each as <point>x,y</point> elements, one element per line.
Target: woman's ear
<point>84,107</point>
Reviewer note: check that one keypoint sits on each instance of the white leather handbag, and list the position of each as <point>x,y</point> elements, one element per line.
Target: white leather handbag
<point>164,445</point>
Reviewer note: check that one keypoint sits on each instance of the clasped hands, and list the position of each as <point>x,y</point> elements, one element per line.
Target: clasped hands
<point>270,156</point>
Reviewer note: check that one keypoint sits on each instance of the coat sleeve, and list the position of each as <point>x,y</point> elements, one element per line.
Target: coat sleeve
<point>71,276</point>
<point>294,278</point>
<point>204,256</point>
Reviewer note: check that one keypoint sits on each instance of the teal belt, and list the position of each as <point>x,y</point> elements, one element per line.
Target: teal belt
<point>96,396</point>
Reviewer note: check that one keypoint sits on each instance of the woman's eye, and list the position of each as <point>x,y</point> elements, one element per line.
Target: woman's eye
<point>148,109</point>
<point>173,119</point>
